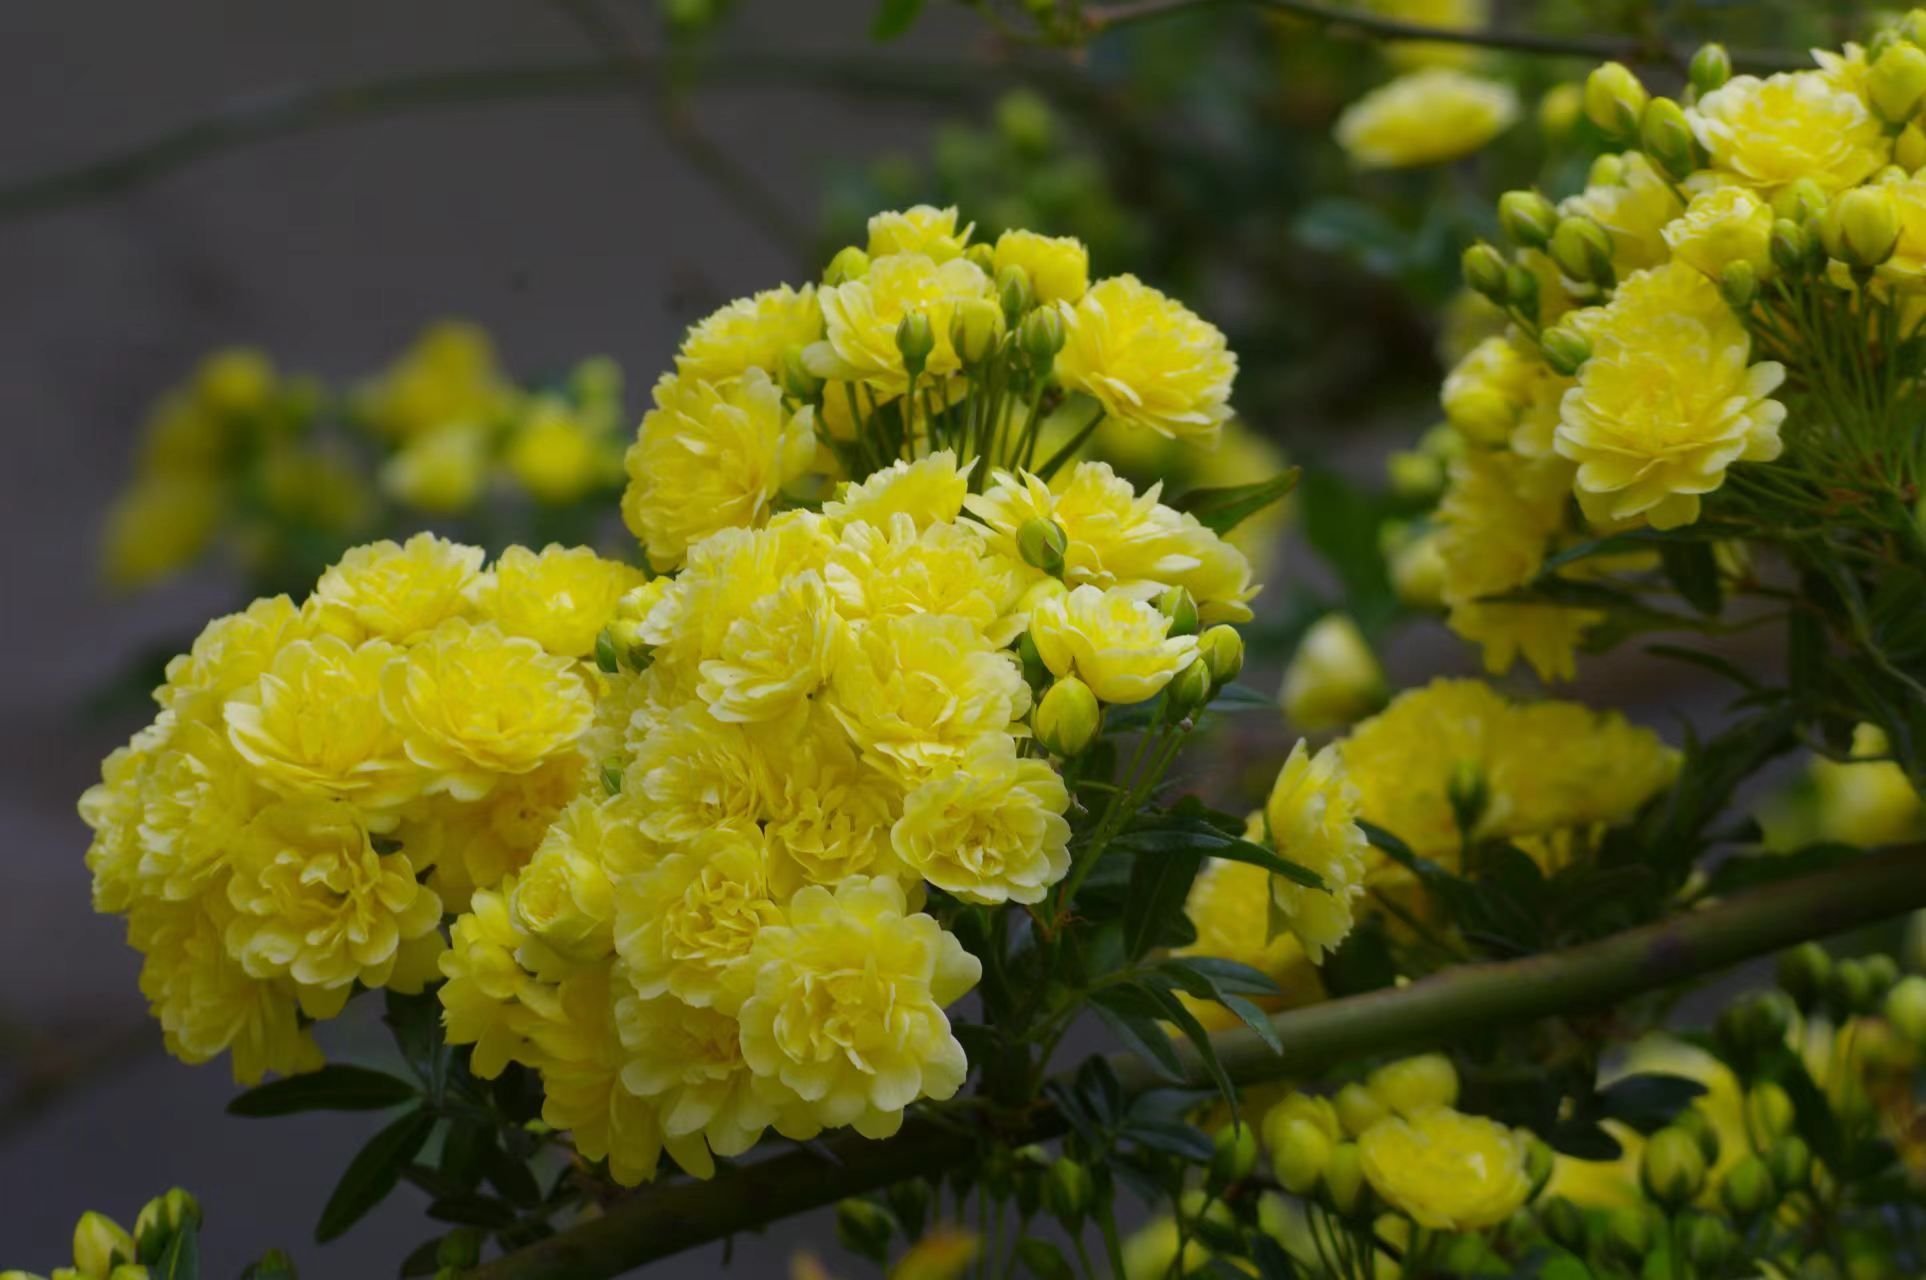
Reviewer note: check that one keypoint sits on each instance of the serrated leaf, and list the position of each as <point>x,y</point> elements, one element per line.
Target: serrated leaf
<point>373,1173</point>
<point>1222,509</point>
<point>1125,1010</point>
<point>335,1087</point>
<point>893,18</point>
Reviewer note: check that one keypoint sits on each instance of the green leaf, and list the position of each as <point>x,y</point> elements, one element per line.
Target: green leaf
<point>182,1261</point>
<point>1341,523</point>
<point>335,1087</point>
<point>1186,1021</point>
<point>1254,1018</point>
<point>893,18</point>
<point>1132,1018</point>
<point>1695,573</point>
<point>1159,884</point>
<point>424,1260</point>
<point>1043,1259</point>
<point>1222,509</point>
<point>1647,1102</point>
<point>1172,1138</point>
<point>1225,975</point>
<point>1204,839</point>
<point>372,1174</point>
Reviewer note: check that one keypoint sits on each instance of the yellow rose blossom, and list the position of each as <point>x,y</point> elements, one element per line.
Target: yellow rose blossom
<point>688,1060</point>
<point>921,229</point>
<point>695,773</point>
<point>396,592</point>
<point>1787,127</point>
<point>990,831</point>
<point>564,899</point>
<point>1425,117</point>
<point>489,1000</point>
<point>441,471</point>
<point>1121,647</point>
<point>555,455</point>
<point>1906,269</point>
<point>891,570</point>
<point>1566,765</point>
<point>829,816</point>
<point>846,1013</point>
<point>1229,904</point>
<point>776,655</point>
<point>1486,392</point>
<point>472,844</point>
<point>560,597</point>
<point>1720,227</point>
<point>1446,1170</point>
<point>1634,209</point>
<point>449,375</point>
<point>750,333</point>
<point>860,319</point>
<point>1312,818</point>
<point>1148,360</point>
<point>474,704</point>
<point>194,797</point>
<point>230,654</point>
<point>1333,678</point>
<point>1058,267</point>
<point>1407,1086</point>
<point>686,922</point>
<point>160,525</point>
<point>1403,760</point>
<point>709,456</point>
<point>929,491</point>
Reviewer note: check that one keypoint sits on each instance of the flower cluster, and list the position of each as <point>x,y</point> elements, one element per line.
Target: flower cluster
<point>324,779</point>
<point>166,1230</point>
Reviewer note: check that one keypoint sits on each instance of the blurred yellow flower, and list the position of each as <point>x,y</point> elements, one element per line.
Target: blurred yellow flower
<point>1446,1170</point>
<point>1058,267</point>
<point>1787,127</point>
<point>1425,117</point>
<point>1311,816</point>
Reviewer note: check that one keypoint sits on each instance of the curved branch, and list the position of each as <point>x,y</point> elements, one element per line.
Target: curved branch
<point>1361,22</point>
<point>1437,1010</point>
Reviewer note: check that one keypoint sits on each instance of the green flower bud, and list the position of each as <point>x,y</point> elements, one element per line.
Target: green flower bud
<point>1583,251</point>
<point>1906,1009</point>
<point>1769,1112</point>
<point>1300,1150</point>
<point>1790,1161</point>
<point>1629,1231</point>
<point>1896,81</point>
<point>1850,991</point>
<point>1912,27</point>
<point>1026,120</point>
<point>1068,1191</point>
<point>1188,692</point>
<point>1358,1109</point>
<point>1699,1125</point>
<point>1013,292</point>
<point>100,1244</point>
<point>1739,283</point>
<point>983,256</point>
<point>1177,604</point>
<point>1041,337</point>
<point>1565,350</point>
<point>1235,1155</point>
<point>1540,1163</point>
<point>798,381</point>
<point>1344,1180</point>
<point>1747,1190</point>
<point>1521,291</point>
<point>864,1228</point>
<point>1042,544</point>
<point>460,1248</point>
<point>1861,227</point>
<point>1469,792</point>
<point>1791,247</point>
<point>1884,972</point>
<point>1222,646</point>
<point>1484,270</point>
<point>1802,201</point>
<point>1615,100</point>
<point>1563,1221</point>
<point>1667,139</point>
<point>976,327</point>
<point>607,656</point>
<point>850,263</point>
<point>1672,1168</point>
<point>1607,170</point>
<point>1068,718</point>
<point>915,339</point>
<point>1804,974</point>
<point>1705,1241</point>
<point>1035,674</point>
<point>1527,217</point>
<point>161,1218</point>
<point>1711,67</point>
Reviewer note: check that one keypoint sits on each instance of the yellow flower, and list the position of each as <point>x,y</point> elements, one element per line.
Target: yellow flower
<point>921,229</point>
<point>711,456</point>
<point>448,376</point>
<point>1722,226</point>
<point>1867,801</point>
<point>1409,1085</point>
<point>688,1061</point>
<point>489,1000</point>
<point>1634,209</point>
<point>1486,392</point>
<point>1906,269</point>
<point>474,704</point>
<point>1229,903</point>
<point>684,924</point>
<point>860,318</point>
<point>474,845</point>
<point>1333,678</point>
<point>560,597</point>
<point>991,831</point>
<point>1794,125</point>
<point>846,1015</point>
<point>397,592</point>
<point>1666,402</point>
<point>169,807</point>
<point>929,491</point>
<point>829,815</point>
<point>1446,1170</point>
<point>555,454</point>
<point>1058,266</point>
<point>1121,647</point>
<point>750,333</point>
<point>316,903</point>
<point>914,692</point>
<point>230,654</point>
<point>312,725</point>
<point>1425,117</point>
<point>1312,817</point>
<point>696,773</point>
<point>160,525</point>
<point>1562,764</point>
<point>564,899</point>
<point>776,654</point>
<point>440,471</point>
<point>1150,361</point>
<point>888,569</point>
<point>1403,759</point>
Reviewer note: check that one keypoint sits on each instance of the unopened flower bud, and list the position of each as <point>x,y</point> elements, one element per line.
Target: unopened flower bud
<point>864,1228</point>
<point>850,263</point>
<point>1041,337</point>
<point>1222,648</point>
<point>161,1218</point>
<point>1358,1109</point>
<point>1333,679</point>
<point>1705,1241</point>
<point>1896,81</point>
<point>607,655</point>
<point>1559,110</point>
<point>1768,1110</point>
<point>1177,604</point>
<point>1861,228</point>
<point>1884,972</point>
<point>1607,170</point>
<point>1469,792</point>
<point>1068,1191</point>
<point>1699,1125</point>
<point>1747,1190</point>
<point>1527,217</point>
<point>1035,673</point>
<point>1672,1167</point>
<point>1188,692</point>
<point>1666,138</point>
<point>1850,991</point>
<point>1565,350</point>
<point>612,776</point>
<point>797,380</point>
<point>1521,290</point>
<point>1235,1155</point>
<point>1013,292</point>
<point>1629,1231</point>
<point>100,1244</point>
<point>1791,247</point>
<point>1739,284</point>
<point>1344,1179</point>
<point>1412,1084</point>
<point>1068,718</point>
<point>1583,251</point>
<point>1801,201</point>
<point>1484,270</point>
<point>1790,1161</point>
<point>1042,544</point>
<point>1300,1150</point>
<point>976,326</point>
<point>1906,1009</point>
<point>982,256</point>
<point>1912,27</point>
<point>1615,100</point>
<point>1711,67</point>
<point>1804,973</point>
<point>1563,1222</point>
<point>915,340</point>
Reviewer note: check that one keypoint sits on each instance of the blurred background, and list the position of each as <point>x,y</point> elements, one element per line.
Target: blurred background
<point>594,212</point>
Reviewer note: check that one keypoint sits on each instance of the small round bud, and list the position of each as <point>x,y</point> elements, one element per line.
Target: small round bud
<point>1565,350</point>
<point>1861,228</point>
<point>1068,1191</point>
<point>1667,140</point>
<point>1790,1161</point>
<point>1299,1153</point>
<point>1769,1111</point>
<point>1850,991</point>
<point>460,1248</point>
<point>1804,974</point>
<point>1563,1221</point>
<point>1527,217</point>
<point>1896,81</point>
<point>1884,972</point>
<point>1042,544</point>
<point>1222,647</point>
<point>1068,718</point>
<point>915,339</point>
<point>850,263</point>
<point>1344,1179</point>
<point>1411,1084</point>
<point>1906,1009</point>
<point>1909,148</point>
<point>1607,170</point>
<point>1484,270</point>
<point>1739,284</point>
<point>1235,1155</point>
<point>1177,604</point>
<point>1699,1125</point>
<point>864,1228</point>
<point>1791,247</point>
<point>1521,290</point>
<point>1041,337</point>
<point>1188,692</point>
<point>607,655</point>
<point>1802,201</point>
<point>100,1244</point>
<point>1711,67</point>
<point>1629,1231</point>
<point>1747,1190</point>
<point>1358,1109</point>
<point>1013,292</point>
<point>1469,793</point>
<point>1583,251</point>
<point>976,327</point>
<point>797,380</point>
<point>1672,1168</point>
<point>1705,1241</point>
<point>1615,100</point>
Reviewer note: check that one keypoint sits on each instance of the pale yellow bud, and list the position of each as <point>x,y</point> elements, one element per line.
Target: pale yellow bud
<point>1667,139</point>
<point>1862,226</point>
<point>1906,1009</point>
<point>1042,544</point>
<point>1299,1153</point>
<point>1896,81</point>
<point>100,1244</point>
<point>1909,148</point>
<point>1222,649</point>
<point>1614,100</point>
<point>1189,690</point>
<point>1527,217</point>
<point>1583,251</point>
<point>1711,67</point>
<point>976,326</point>
<point>850,263</point>
<point>1344,1178</point>
<point>1559,110</point>
<point>1068,718</point>
<point>1358,1109</point>
<point>1411,1084</point>
<point>1333,679</point>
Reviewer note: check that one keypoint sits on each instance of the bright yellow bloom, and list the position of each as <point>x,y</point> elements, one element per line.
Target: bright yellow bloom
<point>1868,801</point>
<point>474,704</point>
<point>1409,1085</point>
<point>489,1000</point>
<point>688,1061</point>
<point>711,456</point>
<point>929,491</point>
<point>775,655</point>
<point>160,525</point>
<point>230,654</point>
<point>564,899</point>
<point>750,333</point>
<point>1446,1170</point>
<point>1404,759</point>
<point>1666,402</point>
<point>1121,647</point>
<point>1634,208</point>
<point>400,593</point>
<point>860,318</point>
<point>888,569</point>
<point>557,455</point>
<point>1150,361</point>
<point>695,773</point>
<point>1794,125</point>
<point>991,831</point>
<point>1906,269</point>
<point>828,815</point>
<point>685,924</point>
<point>921,229</point>
<point>1333,678</point>
<point>560,597</point>
<point>447,377</point>
<point>1564,764</point>
<point>474,845</point>
<point>846,1015</point>
<point>1425,117</point>
<point>1720,227</point>
<point>441,471</point>
<point>1058,266</point>
<point>1312,818</point>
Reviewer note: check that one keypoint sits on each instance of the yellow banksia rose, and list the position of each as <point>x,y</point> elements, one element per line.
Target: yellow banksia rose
<point>1121,647</point>
<point>1906,268</point>
<point>929,491</point>
<point>1425,117</point>
<point>750,333</point>
<point>230,654</point>
<point>1312,819</point>
<point>1667,402</point>
<point>160,525</point>
<point>688,1061</point>
<point>921,229</point>
<point>846,1014</point>
<point>684,925</point>
<point>316,903</point>
<point>449,374</point>
<point>313,725</point>
<point>890,570</point>
<point>489,1000</point>
<point>776,655</point>
<point>1787,127</point>
<point>1403,760</point>
<point>442,471</point>
<point>990,831</point>
<point>1333,678</point>
<point>1867,800</point>
<point>710,456</point>
<point>560,597</point>
<point>693,773</point>
<point>1446,1170</point>
<point>397,592</point>
<point>1486,392</point>
<point>474,704</point>
<point>1058,266</point>
<point>470,844</point>
<point>1720,227</point>
<point>861,316</point>
<point>1409,1085</point>
<point>1634,208</point>
<point>828,816</point>
<point>564,899</point>
<point>1148,360</point>
<point>555,454</point>
<point>1564,764</point>
<point>193,800</point>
